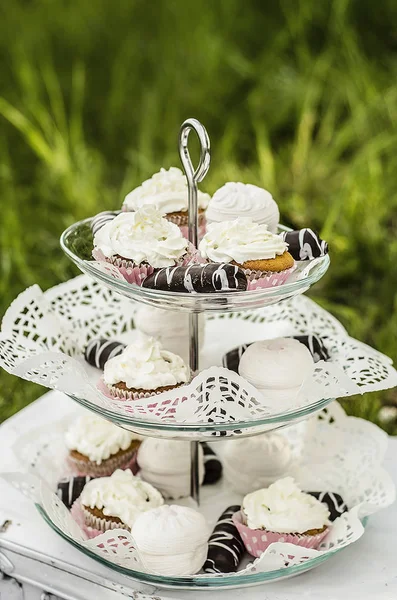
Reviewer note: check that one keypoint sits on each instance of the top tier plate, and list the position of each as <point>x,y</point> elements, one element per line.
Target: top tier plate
<point>76,242</point>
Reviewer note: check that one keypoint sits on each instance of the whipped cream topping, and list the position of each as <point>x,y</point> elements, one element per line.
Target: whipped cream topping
<point>235,199</point>
<point>166,465</point>
<point>172,540</point>
<point>167,190</point>
<point>142,236</point>
<point>278,364</point>
<point>240,240</point>
<point>121,495</point>
<point>252,463</point>
<point>284,508</point>
<point>97,438</point>
<point>146,365</point>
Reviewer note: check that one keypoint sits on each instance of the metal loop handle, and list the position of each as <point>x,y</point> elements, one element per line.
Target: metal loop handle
<point>194,176</point>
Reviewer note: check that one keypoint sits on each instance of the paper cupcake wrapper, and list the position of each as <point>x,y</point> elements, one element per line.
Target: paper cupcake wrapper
<point>92,526</point>
<point>82,468</point>
<point>259,280</point>
<point>137,274</point>
<point>183,220</point>
<point>201,231</point>
<point>123,395</point>
<point>127,269</point>
<point>256,541</point>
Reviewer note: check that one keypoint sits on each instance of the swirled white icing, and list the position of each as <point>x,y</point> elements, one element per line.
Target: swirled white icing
<point>97,438</point>
<point>146,365</point>
<point>235,199</point>
<point>252,463</point>
<point>121,495</point>
<point>284,508</point>
<point>172,539</point>
<point>166,465</point>
<point>142,236</point>
<point>278,364</point>
<point>240,240</point>
<point>167,190</point>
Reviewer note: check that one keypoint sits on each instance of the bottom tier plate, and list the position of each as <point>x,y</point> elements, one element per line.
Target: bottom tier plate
<point>331,452</point>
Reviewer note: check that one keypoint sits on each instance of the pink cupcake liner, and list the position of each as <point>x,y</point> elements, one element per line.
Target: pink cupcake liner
<point>127,269</point>
<point>79,515</point>
<point>258,280</point>
<point>256,541</point>
<point>81,468</point>
<point>201,231</point>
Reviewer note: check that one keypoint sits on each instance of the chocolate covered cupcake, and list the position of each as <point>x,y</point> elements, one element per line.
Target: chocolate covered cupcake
<point>144,369</point>
<point>262,255</point>
<point>97,447</point>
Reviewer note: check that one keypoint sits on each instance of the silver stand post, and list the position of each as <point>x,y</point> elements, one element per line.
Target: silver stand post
<point>193,178</point>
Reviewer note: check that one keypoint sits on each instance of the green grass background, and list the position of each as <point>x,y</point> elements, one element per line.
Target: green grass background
<point>298,96</point>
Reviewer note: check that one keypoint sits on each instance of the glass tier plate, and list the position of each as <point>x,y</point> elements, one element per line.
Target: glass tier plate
<point>76,241</point>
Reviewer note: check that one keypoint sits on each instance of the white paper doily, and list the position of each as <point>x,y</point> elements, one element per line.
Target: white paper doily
<point>332,452</point>
<point>44,334</point>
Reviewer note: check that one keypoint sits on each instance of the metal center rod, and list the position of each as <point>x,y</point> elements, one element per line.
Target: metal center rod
<point>193,177</point>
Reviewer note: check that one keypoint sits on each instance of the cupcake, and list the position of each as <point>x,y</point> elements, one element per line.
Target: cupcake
<point>281,513</point>
<point>262,255</point>
<point>115,502</point>
<point>172,540</point>
<point>144,369</point>
<point>253,463</point>
<point>168,191</point>
<point>235,199</point>
<point>277,368</point>
<point>139,242</point>
<point>169,327</point>
<point>97,447</point>
<point>166,465</point>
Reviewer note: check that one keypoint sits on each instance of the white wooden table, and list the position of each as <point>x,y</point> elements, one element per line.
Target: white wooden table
<point>38,565</point>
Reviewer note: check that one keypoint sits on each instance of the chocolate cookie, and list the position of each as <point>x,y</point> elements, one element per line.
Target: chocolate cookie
<point>102,218</point>
<point>304,244</point>
<point>70,488</point>
<point>335,503</point>
<point>99,350</point>
<point>225,546</point>
<point>212,465</point>
<point>208,278</point>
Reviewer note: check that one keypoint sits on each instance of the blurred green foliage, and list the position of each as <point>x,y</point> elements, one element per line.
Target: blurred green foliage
<point>298,96</point>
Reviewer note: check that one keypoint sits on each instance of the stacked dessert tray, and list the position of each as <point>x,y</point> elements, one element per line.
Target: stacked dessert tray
<point>44,336</point>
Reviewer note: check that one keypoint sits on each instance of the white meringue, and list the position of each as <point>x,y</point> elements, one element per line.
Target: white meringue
<point>142,236</point>
<point>235,199</point>
<point>172,540</point>
<point>166,465</point>
<point>277,368</point>
<point>240,240</point>
<point>171,328</point>
<point>284,508</point>
<point>167,190</point>
<point>145,365</point>
<point>253,463</point>
<point>97,438</point>
<point>121,495</point>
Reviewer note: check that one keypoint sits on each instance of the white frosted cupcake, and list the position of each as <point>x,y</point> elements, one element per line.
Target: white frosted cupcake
<point>277,368</point>
<point>144,369</point>
<point>281,513</point>
<point>139,242</point>
<point>97,447</point>
<point>262,255</point>
<point>172,540</point>
<point>169,327</point>
<point>166,465</point>
<point>235,199</point>
<point>168,191</point>
<point>253,463</point>
<point>115,502</point>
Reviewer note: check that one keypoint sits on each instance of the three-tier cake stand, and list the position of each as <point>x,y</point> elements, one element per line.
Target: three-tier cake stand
<point>43,338</point>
